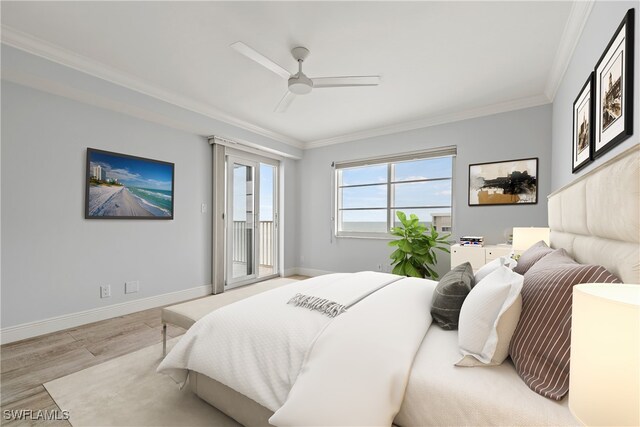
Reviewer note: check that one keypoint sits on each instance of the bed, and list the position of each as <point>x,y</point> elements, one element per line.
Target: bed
<point>438,393</point>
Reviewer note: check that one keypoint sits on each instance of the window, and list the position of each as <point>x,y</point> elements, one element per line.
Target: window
<point>369,193</point>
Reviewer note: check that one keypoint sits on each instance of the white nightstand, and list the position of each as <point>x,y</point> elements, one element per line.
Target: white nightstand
<point>477,255</point>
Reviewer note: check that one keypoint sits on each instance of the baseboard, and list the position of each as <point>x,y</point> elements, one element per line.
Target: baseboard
<point>290,272</point>
<point>54,324</point>
<point>311,272</point>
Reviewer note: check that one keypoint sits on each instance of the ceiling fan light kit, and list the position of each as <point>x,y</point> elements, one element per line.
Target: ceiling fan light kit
<point>299,83</point>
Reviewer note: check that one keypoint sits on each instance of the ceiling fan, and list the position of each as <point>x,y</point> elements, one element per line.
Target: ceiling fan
<point>299,83</point>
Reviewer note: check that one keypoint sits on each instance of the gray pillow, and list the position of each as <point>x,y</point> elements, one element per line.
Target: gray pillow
<point>449,295</point>
<point>532,255</point>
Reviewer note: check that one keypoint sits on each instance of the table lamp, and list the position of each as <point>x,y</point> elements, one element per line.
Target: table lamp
<point>604,379</point>
<point>525,237</point>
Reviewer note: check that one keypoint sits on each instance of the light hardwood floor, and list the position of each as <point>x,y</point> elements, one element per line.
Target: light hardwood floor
<point>26,365</point>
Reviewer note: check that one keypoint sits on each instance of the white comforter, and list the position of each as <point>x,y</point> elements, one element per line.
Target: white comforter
<point>308,368</point>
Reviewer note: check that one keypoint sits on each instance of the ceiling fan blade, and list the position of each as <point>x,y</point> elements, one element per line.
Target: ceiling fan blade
<point>284,103</point>
<point>261,59</point>
<point>345,81</point>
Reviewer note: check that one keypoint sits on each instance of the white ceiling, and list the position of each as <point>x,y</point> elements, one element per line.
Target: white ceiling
<point>435,58</point>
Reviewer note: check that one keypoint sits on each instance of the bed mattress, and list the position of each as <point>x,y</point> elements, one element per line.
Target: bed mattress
<point>438,393</point>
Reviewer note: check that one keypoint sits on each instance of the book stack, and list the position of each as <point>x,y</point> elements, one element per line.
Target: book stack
<point>471,241</point>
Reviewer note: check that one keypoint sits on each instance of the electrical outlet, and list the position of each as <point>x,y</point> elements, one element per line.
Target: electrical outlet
<point>203,208</point>
<point>131,287</point>
<point>105,291</point>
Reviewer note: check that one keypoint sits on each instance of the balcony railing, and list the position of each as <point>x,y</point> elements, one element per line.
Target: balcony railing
<point>265,245</point>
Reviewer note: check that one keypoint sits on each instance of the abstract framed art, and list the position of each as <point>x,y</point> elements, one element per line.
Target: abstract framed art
<point>119,186</point>
<point>583,126</point>
<point>613,89</point>
<point>508,182</point>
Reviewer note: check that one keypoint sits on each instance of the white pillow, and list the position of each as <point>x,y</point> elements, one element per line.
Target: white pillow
<point>488,318</point>
<point>484,271</point>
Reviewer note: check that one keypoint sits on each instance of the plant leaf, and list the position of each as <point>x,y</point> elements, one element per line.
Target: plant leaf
<point>411,271</point>
<point>432,273</point>
<point>405,246</point>
<point>402,217</point>
<point>398,269</point>
<point>397,255</point>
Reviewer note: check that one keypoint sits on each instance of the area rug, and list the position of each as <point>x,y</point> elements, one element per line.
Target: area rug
<point>127,391</point>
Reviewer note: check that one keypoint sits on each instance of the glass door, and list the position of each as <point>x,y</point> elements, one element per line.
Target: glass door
<point>268,224</point>
<point>252,220</point>
<point>241,214</point>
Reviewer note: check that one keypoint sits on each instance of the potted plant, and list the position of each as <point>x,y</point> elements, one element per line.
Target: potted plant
<point>415,254</point>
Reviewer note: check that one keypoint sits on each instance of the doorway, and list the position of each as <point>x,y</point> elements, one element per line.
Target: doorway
<point>252,220</point>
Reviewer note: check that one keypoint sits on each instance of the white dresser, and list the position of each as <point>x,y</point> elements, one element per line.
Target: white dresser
<point>477,255</point>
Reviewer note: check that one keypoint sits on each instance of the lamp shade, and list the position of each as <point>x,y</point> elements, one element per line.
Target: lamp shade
<point>525,237</point>
<point>604,379</point>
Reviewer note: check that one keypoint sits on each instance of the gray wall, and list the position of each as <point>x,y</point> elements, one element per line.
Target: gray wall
<point>33,71</point>
<point>512,135</point>
<point>289,218</point>
<point>603,21</point>
<point>53,260</point>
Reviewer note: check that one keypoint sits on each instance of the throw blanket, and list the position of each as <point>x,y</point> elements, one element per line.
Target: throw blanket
<point>307,367</point>
<point>333,297</point>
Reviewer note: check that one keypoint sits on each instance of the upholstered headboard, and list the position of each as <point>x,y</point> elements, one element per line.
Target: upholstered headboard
<point>596,218</point>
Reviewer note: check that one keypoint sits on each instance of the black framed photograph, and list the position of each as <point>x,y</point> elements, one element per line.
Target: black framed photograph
<point>507,182</point>
<point>613,92</point>
<point>583,126</point>
<point>120,186</point>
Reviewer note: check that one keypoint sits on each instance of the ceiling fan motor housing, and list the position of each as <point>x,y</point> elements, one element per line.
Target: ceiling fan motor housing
<point>300,84</point>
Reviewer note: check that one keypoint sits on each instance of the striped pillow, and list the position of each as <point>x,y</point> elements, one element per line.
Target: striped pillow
<point>542,340</point>
<point>532,255</point>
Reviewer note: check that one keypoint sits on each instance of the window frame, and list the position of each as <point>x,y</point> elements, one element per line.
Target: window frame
<point>390,162</point>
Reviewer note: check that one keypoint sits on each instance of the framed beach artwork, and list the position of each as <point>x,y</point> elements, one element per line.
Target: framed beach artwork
<point>508,182</point>
<point>583,126</point>
<point>613,121</point>
<point>119,186</point>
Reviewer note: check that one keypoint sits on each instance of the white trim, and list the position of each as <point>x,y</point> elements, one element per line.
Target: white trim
<point>36,46</point>
<point>578,16</point>
<point>311,272</point>
<point>58,323</point>
<point>408,156</point>
<point>573,29</point>
<point>363,235</point>
<point>246,147</point>
<point>289,272</point>
<point>89,98</point>
<point>627,152</point>
<point>503,107</point>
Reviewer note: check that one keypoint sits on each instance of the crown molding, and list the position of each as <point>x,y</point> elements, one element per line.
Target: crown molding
<point>578,16</point>
<point>503,107</point>
<point>36,46</point>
